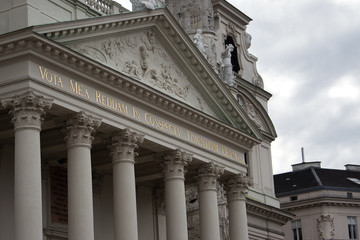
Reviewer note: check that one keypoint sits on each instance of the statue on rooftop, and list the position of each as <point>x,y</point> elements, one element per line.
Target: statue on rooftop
<point>199,42</point>
<point>226,72</point>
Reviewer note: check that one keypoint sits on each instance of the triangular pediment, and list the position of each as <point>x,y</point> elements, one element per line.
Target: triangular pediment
<point>141,56</point>
<point>151,48</point>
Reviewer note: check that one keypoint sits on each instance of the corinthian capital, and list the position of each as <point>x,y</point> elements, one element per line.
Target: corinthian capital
<point>79,130</point>
<point>174,164</point>
<point>123,145</point>
<point>27,109</point>
<point>237,187</point>
<point>207,176</point>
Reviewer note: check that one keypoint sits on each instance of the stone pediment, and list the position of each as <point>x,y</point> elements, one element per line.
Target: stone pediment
<point>141,56</point>
<point>151,48</point>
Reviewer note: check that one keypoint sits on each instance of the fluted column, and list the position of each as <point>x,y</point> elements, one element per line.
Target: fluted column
<point>122,154</point>
<point>173,169</point>
<point>80,197</point>
<point>236,190</point>
<point>27,110</point>
<point>208,206</point>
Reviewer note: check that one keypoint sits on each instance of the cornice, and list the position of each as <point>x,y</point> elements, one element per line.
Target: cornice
<point>233,14</point>
<point>268,212</point>
<point>321,201</point>
<point>38,46</point>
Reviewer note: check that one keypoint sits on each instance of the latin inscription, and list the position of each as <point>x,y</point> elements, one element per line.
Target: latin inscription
<point>114,104</point>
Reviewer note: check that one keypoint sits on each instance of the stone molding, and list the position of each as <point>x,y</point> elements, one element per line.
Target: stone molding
<point>79,129</point>
<point>174,164</point>
<point>237,187</point>
<point>27,110</point>
<point>123,145</point>
<point>320,202</point>
<point>207,176</point>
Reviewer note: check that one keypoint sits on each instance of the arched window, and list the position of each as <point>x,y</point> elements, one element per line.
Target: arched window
<point>234,55</point>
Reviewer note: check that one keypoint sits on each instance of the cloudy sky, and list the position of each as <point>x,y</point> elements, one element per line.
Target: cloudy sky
<point>309,59</point>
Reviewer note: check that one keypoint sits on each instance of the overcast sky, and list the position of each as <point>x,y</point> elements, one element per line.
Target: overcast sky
<point>309,59</point>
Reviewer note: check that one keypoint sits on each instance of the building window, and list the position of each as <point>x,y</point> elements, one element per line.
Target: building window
<point>293,198</point>
<point>352,228</point>
<point>234,54</point>
<point>296,229</point>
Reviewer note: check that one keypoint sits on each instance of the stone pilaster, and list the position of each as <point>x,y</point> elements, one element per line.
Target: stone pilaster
<point>80,197</point>
<point>27,110</point>
<point>237,187</point>
<point>174,170</point>
<point>208,206</point>
<point>122,153</point>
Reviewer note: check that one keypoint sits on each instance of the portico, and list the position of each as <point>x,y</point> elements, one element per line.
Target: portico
<point>79,138</point>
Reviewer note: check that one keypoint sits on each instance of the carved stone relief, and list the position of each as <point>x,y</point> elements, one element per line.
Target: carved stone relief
<point>192,206</point>
<point>142,57</point>
<point>251,111</point>
<point>325,227</point>
<point>247,40</point>
<point>258,81</point>
<point>193,14</point>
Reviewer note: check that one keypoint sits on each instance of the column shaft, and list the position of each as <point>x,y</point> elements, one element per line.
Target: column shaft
<point>28,201</point>
<point>125,214</point>
<point>27,110</point>
<point>238,220</point>
<point>237,187</point>
<point>124,187</point>
<point>208,205</point>
<point>176,220</point>
<point>80,196</point>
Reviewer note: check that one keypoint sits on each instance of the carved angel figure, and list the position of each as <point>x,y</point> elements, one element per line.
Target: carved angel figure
<point>226,73</point>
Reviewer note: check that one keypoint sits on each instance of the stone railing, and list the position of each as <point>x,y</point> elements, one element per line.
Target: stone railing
<point>103,6</point>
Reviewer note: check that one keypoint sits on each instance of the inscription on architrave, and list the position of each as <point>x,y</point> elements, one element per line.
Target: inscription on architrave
<point>58,194</point>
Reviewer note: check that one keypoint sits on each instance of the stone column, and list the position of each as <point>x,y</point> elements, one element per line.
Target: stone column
<point>27,110</point>
<point>173,169</point>
<point>122,154</point>
<point>80,197</point>
<point>237,187</point>
<point>208,205</point>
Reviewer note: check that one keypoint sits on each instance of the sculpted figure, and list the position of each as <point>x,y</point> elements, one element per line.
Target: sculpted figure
<point>226,73</point>
<point>247,40</point>
<point>199,42</point>
<point>144,60</point>
<point>131,68</point>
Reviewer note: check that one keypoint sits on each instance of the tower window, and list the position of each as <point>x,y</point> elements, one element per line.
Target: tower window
<point>234,54</point>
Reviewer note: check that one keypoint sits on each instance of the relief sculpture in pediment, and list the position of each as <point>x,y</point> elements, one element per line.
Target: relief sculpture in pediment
<point>142,57</point>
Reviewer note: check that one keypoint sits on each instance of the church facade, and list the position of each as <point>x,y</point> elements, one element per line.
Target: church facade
<point>150,124</point>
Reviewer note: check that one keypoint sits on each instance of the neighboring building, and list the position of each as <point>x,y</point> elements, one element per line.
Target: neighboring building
<point>145,125</point>
<point>325,202</point>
